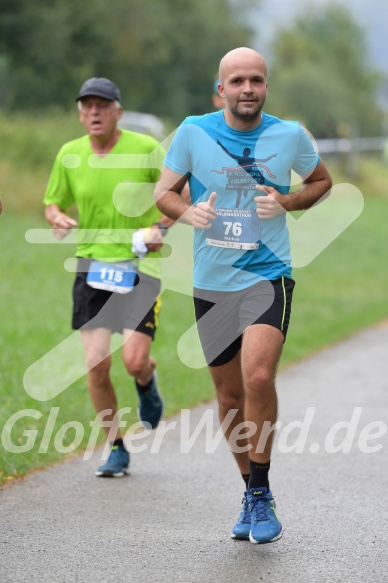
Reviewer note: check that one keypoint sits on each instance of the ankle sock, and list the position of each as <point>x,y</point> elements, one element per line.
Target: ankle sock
<point>259,474</point>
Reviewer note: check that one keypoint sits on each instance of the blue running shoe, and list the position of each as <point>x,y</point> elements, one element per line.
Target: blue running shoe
<point>116,465</point>
<point>265,527</point>
<point>150,409</point>
<point>242,527</point>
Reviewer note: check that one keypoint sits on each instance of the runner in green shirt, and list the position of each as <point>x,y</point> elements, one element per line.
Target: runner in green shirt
<point>119,238</point>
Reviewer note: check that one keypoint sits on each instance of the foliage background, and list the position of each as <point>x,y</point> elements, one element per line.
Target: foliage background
<point>164,55</point>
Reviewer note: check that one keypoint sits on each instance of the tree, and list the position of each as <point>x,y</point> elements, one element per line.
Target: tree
<point>162,53</point>
<point>321,75</point>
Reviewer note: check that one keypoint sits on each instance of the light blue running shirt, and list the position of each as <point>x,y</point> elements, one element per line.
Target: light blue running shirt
<point>239,249</point>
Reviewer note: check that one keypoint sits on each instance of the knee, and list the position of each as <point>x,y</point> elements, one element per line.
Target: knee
<point>229,398</point>
<point>260,383</point>
<point>136,365</point>
<point>97,363</point>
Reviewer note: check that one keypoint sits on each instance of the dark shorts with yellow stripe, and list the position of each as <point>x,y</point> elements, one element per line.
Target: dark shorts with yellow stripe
<point>222,317</point>
<point>137,310</point>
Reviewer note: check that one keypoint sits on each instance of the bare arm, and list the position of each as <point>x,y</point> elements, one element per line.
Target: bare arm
<point>168,197</point>
<point>59,221</point>
<point>315,186</point>
<point>169,200</point>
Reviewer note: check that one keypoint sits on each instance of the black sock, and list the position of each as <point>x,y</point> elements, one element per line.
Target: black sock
<point>245,477</point>
<point>141,390</point>
<point>259,474</point>
<point>118,442</point>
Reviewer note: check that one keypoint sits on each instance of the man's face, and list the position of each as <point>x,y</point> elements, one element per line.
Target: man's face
<point>245,90</point>
<point>99,116</point>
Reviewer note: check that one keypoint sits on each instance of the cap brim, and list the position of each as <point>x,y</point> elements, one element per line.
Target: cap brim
<point>96,93</point>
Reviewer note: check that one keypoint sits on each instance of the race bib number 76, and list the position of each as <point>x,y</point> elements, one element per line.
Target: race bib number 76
<point>235,229</point>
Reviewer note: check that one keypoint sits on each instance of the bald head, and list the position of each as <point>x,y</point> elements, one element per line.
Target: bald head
<point>243,84</point>
<point>241,57</point>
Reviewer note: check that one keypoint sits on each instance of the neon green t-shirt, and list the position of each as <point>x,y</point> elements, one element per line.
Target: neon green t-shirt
<point>113,194</point>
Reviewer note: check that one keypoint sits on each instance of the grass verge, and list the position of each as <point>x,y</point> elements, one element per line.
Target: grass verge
<point>340,292</point>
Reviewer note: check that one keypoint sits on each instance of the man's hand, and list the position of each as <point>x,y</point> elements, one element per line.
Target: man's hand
<point>62,224</point>
<point>153,238</point>
<point>269,204</point>
<point>204,213</point>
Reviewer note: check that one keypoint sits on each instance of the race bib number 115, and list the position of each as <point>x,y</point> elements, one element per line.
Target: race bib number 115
<point>235,229</point>
<point>119,278</point>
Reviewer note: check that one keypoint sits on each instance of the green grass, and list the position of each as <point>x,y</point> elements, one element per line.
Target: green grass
<point>340,292</point>
<point>32,141</point>
<point>28,146</point>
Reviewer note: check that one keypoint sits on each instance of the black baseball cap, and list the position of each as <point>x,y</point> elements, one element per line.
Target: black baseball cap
<point>100,87</point>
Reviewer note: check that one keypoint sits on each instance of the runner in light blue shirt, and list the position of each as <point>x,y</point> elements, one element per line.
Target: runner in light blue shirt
<point>238,163</point>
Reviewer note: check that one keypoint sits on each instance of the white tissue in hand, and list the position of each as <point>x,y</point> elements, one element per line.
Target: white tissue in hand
<point>138,245</point>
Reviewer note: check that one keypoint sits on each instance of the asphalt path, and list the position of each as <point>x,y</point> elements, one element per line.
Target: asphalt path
<point>170,519</point>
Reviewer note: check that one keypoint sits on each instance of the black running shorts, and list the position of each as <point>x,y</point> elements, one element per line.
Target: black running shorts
<point>137,310</point>
<point>222,317</point>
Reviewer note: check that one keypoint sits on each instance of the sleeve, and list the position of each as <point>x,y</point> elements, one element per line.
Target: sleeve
<point>158,154</point>
<point>58,189</point>
<point>306,158</point>
<point>178,157</point>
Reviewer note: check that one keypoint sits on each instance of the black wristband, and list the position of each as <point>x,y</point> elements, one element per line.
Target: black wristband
<point>163,229</point>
